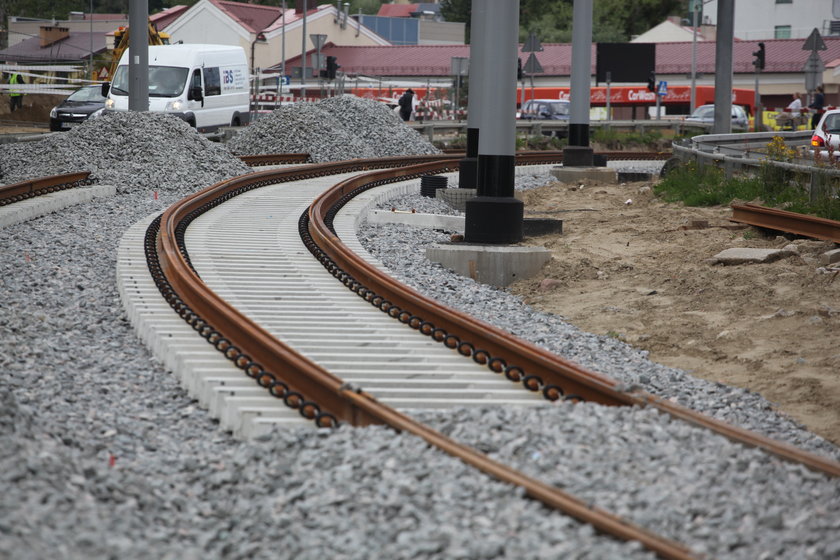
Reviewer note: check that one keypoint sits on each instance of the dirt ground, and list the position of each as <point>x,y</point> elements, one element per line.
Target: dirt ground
<point>631,266</point>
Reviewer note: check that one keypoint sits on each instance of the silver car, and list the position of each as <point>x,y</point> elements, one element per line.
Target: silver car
<point>706,114</point>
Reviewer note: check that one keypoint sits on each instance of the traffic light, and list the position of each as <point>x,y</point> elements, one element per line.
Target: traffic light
<point>332,67</point>
<point>759,57</point>
<point>519,73</point>
<point>652,82</point>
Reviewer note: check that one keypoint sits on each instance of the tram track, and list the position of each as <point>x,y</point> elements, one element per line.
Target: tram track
<point>358,407</point>
<point>327,399</point>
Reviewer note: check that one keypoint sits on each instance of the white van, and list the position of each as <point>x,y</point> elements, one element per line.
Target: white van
<point>206,85</point>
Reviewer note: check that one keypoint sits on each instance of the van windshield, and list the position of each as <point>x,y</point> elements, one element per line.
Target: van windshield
<point>164,81</point>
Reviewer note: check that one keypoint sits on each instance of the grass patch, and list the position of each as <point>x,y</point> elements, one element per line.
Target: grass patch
<point>772,186</point>
<point>614,139</point>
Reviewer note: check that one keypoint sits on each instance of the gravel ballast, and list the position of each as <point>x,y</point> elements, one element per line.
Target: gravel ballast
<point>332,129</point>
<point>103,455</point>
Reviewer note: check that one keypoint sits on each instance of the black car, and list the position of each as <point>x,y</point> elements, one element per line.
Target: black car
<point>78,106</point>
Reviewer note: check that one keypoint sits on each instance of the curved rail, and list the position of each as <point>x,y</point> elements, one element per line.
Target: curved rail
<point>519,360</point>
<point>290,376</point>
<point>319,395</point>
<point>44,185</point>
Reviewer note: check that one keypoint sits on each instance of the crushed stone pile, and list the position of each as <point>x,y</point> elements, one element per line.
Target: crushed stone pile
<point>130,150</point>
<point>332,129</point>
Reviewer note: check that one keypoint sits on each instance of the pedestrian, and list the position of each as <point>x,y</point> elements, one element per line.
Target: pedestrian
<point>15,95</point>
<point>406,104</point>
<point>790,116</point>
<point>795,106</point>
<point>817,105</point>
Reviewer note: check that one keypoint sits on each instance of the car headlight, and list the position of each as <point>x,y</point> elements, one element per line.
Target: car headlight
<point>176,105</point>
<point>54,113</point>
<point>109,103</point>
<point>96,114</point>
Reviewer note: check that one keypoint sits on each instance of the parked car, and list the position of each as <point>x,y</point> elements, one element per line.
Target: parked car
<point>827,134</point>
<point>552,109</point>
<point>706,114</point>
<point>77,108</point>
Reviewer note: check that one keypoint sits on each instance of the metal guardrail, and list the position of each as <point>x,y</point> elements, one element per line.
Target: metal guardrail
<point>560,128</point>
<point>741,153</point>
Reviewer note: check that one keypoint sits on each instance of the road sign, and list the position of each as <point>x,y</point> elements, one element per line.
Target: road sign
<point>813,69</point>
<point>662,89</point>
<point>533,65</point>
<point>285,80</point>
<point>814,42</point>
<point>532,44</point>
<point>318,40</point>
<point>460,66</point>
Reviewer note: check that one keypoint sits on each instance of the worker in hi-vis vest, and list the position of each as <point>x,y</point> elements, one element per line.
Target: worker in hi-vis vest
<point>15,95</point>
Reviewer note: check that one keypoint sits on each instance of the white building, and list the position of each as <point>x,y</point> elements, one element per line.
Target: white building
<point>779,19</point>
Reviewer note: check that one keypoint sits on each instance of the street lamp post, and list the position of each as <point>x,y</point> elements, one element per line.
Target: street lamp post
<point>260,38</point>
<point>283,49</point>
<point>696,12</point>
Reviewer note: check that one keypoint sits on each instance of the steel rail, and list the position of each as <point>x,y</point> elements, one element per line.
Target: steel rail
<point>275,365</point>
<point>45,185</point>
<point>537,368</point>
<point>323,397</point>
<point>274,159</point>
<point>782,220</point>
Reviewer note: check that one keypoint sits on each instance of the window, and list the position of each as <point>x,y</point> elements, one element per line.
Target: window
<point>212,84</point>
<point>782,32</point>
<point>784,1</point>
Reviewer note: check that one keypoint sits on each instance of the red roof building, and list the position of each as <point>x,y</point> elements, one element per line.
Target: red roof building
<point>783,74</point>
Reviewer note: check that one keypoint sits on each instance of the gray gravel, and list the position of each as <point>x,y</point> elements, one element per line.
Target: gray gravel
<point>103,455</point>
<point>116,149</point>
<point>332,129</point>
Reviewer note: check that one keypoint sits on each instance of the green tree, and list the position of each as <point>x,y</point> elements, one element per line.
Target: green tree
<point>551,20</point>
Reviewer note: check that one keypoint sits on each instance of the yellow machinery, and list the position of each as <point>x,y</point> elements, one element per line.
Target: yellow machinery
<point>121,43</point>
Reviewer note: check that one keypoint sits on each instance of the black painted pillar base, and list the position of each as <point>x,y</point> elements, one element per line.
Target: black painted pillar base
<point>578,134</point>
<point>468,173</point>
<point>494,220</point>
<point>578,156</point>
<point>468,170</point>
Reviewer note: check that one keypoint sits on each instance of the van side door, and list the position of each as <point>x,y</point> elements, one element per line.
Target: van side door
<point>195,103</point>
<point>217,114</point>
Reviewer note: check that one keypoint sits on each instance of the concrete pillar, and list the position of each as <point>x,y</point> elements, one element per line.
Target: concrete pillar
<point>495,216</point>
<point>138,62</point>
<point>468,170</point>
<point>723,66</point>
<point>579,153</point>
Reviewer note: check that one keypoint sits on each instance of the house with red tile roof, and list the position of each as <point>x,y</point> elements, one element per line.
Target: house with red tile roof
<point>418,65</point>
<point>266,32</point>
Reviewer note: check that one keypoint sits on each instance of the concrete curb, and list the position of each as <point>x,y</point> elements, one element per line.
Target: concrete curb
<point>40,205</point>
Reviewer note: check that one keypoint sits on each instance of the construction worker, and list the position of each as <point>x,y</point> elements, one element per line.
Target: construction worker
<point>15,95</point>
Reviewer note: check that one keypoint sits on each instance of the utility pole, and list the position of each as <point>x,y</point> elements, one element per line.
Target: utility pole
<point>138,63</point>
<point>468,169</point>
<point>696,14</point>
<point>303,55</point>
<point>495,215</point>
<point>723,67</point>
<point>578,153</point>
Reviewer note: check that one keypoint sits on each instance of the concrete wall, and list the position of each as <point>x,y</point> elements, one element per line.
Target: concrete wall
<point>441,33</point>
<point>757,19</point>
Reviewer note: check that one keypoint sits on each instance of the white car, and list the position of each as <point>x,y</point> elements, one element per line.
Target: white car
<point>826,137</point>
